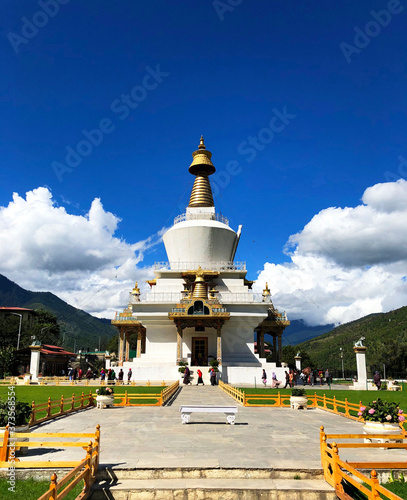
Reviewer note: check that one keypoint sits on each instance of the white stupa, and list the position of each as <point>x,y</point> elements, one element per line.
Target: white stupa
<point>200,305</point>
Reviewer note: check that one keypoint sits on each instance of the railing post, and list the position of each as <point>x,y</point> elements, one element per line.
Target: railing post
<point>375,482</point>
<point>5,450</point>
<point>126,400</point>
<point>324,402</point>
<point>315,400</point>
<point>32,419</point>
<point>335,468</point>
<point>87,477</point>
<point>97,443</point>
<point>335,408</point>
<point>61,405</point>
<point>49,408</point>
<point>82,400</point>
<point>91,401</point>
<point>347,414</point>
<point>322,435</point>
<point>73,401</point>
<point>53,487</point>
<point>279,399</point>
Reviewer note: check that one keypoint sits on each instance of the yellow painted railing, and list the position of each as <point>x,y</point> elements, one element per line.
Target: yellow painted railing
<point>63,407</point>
<point>336,471</point>
<point>85,470</point>
<point>46,440</point>
<point>235,393</point>
<point>167,393</point>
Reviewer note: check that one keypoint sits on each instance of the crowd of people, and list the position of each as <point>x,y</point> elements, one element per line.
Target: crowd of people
<point>294,377</point>
<point>110,375</point>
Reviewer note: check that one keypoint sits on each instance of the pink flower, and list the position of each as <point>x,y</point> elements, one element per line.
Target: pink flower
<point>389,417</point>
<point>362,408</point>
<point>371,411</point>
<point>360,413</point>
<point>400,412</point>
<point>401,418</point>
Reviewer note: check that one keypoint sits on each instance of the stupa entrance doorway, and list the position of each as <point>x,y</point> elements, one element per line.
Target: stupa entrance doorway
<point>199,351</point>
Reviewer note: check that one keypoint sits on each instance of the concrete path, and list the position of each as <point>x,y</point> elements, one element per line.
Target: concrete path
<point>154,437</point>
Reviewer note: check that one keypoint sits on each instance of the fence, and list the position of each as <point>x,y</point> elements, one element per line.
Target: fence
<point>10,445</point>
<point>75,403</point>
<point>158,399</point>
<point>345,477</point>
<point>332,405</point>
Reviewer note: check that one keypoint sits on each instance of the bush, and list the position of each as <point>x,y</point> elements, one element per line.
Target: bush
<point>14,414</point>
<point>105,391</point>
<point>298,392</point>
<point>381,411</point>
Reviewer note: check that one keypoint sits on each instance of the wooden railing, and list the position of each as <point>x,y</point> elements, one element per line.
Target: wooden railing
<point>85,470</point>
<point>235,393</point>
<point>339,474</point>
<point>63,406</point>
<point>47,440</point>
<point>167,393</point>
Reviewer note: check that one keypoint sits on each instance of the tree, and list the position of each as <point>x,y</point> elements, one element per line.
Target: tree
<point>6,361</point>
<point>46,329</point>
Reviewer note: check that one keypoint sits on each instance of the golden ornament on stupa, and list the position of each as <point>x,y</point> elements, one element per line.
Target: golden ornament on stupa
<point>202,167</point>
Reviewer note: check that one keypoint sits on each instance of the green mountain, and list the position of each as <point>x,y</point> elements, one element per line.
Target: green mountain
<point>298,331</point>
<point>77,327</point>
<point>385,340</point>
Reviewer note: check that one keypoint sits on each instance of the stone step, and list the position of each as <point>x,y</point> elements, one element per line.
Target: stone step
<point>110,474</point>
<point>216,489</point>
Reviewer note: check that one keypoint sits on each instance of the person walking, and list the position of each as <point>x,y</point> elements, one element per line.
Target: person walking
<point>327,376</point>
<point>186,375</point>
<point>129,374</point>
<point>377,381</point>
<point>102,374</point>
<point>312,377</point>
<point>200,380</point>
<point>121,375</point>
<point>287,379</point>
<point>264,378</point>
<point>213,376</point>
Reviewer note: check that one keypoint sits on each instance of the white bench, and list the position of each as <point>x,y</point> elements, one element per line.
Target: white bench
<point>229,411</point>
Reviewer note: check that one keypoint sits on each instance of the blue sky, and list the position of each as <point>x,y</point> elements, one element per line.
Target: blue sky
<point>222,69</point>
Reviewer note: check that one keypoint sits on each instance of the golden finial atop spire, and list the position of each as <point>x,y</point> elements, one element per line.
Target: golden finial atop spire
<point>136,289</point>
<point>201,167</point>
<point>266,291</point>
<point>201,143</point>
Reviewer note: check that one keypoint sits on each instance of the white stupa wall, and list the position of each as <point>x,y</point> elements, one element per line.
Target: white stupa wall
<point>200,241</point>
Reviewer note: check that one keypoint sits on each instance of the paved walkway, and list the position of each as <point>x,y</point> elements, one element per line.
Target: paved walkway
<point>154,437</point>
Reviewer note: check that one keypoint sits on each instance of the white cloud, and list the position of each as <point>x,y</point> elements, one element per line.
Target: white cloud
<point>44,248</point>
<point>346,262</point>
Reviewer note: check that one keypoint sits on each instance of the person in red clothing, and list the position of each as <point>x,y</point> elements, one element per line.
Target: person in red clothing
<point>200,381</point>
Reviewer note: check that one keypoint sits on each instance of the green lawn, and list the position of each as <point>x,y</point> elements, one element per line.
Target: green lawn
<point>32,490</point>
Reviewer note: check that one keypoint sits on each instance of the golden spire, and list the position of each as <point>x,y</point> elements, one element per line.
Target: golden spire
<point>202,167</point>
<point>266,291</point>
<point>200,289</point>
<point>136,290</point>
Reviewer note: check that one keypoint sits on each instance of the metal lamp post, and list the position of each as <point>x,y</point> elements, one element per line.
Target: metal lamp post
<point>19,329</point>
<point>343,371</point>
